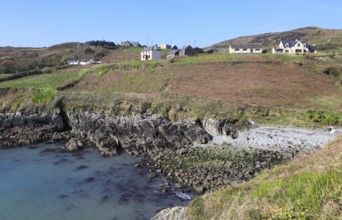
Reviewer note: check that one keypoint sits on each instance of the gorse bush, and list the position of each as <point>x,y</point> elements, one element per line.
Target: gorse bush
<point>331,71</point>
<point>43,95</point>
<point>103,70</point>
<point>325,119</point>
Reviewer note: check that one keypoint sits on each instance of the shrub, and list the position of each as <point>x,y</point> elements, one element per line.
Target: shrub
<point>332,71</point>
<point>332,119</point>
<point>103,70</point>
<point>315,115</point>
<point>43,95</point>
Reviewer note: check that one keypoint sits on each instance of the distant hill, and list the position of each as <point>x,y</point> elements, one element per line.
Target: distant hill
<point>324,39</point>
<point>19,59</point>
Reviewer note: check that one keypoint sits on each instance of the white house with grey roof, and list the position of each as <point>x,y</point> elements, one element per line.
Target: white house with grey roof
<point>245,48</point>
<point>151,53</point>
<point>295,46</point>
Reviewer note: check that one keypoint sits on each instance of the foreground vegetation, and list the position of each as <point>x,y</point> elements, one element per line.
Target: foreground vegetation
<point>309,187</point>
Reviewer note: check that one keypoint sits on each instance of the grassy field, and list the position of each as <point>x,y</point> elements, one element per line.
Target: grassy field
<point>53,80</point>
<point>269,88</point>
<point>309,187</point>
<point>5,75</point>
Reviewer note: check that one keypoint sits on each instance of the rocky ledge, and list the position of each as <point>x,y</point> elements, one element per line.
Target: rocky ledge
<point>138,135</point>
<point>17,129</point>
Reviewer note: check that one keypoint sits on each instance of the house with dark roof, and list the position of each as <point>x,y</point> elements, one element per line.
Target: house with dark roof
<point>245,48</point>
<point>73,62</point>
<point>187,51</point>
<point>172,54</point>
<point>151,53</point>
<point>296,46</point>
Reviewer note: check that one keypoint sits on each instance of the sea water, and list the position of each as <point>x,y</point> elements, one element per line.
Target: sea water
<point>43,182</point>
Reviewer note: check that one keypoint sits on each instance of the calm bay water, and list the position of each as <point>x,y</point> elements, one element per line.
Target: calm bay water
<point>36,183</point>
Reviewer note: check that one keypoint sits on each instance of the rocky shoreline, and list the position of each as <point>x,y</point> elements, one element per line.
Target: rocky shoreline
<point>178,150</point>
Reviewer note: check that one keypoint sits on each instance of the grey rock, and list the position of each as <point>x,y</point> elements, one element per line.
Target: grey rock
<point>74,145</point>
<point>182,151</point>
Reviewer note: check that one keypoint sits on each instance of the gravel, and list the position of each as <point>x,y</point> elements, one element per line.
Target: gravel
<point>280,138</point>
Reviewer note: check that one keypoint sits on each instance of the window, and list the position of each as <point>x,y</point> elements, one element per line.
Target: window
<point>257,49</point>
<point>244,49</point>
<point>298,45</point>
<point>237,49</point>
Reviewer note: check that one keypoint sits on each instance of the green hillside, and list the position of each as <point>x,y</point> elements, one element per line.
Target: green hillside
<point>324,39</point>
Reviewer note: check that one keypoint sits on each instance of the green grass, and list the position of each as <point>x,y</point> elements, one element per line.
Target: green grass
<point>205,58</point>
<point>5,75</point>
<point>41,81</point>
<point>328,103</point>
<point>306,190</point>
<point>43,95</point>
<point>138,81</point>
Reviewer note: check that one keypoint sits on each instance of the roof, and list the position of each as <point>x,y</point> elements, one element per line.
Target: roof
<point>290,42</point>
<point>293,43</point>
<point>173,52</point>
<point>73,61</point>
<point>248,45</point>
<point>185,47</point>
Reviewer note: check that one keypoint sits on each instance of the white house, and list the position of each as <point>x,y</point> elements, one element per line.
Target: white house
<point>83,62</point>
<point>73,62</point>
<point>296,46</point>
<point>151,53</point>
<point>86,62</point>
<point>245,48</point>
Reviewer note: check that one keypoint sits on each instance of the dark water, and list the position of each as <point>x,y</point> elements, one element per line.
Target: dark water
<point>37,184</point>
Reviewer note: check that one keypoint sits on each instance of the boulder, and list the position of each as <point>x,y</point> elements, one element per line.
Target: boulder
<point>182,151</point>
<point>74,144</point>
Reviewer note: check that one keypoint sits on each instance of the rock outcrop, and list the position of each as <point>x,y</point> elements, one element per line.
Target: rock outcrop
<point>175,213</point>
<point>138,135</point>
<point>17,129</point>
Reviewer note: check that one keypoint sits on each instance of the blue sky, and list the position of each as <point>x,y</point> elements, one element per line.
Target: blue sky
<point>37,23</point>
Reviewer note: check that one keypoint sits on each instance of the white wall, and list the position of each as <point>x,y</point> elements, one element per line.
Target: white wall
<point>154,54</point>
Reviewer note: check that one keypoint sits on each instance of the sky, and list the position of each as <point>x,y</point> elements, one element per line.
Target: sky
<point>43,23</point>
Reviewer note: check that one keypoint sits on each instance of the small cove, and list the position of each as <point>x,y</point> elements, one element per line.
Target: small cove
<point>40,182</point>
